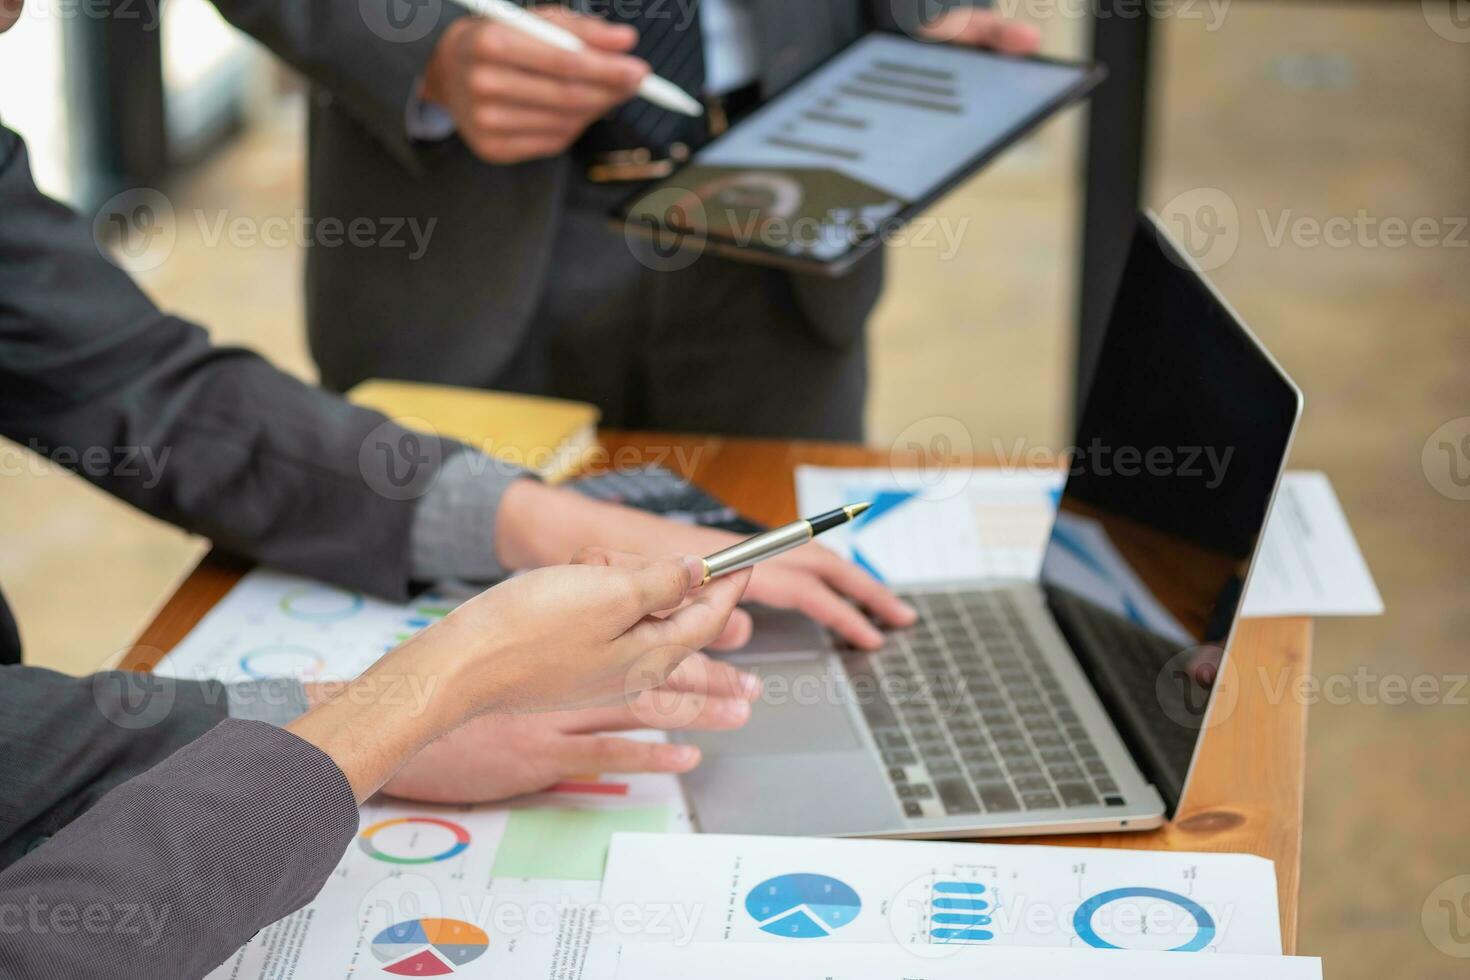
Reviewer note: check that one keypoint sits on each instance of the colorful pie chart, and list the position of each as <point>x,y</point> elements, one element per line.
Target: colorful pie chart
<point>414,840</point>
<point>429,947</point>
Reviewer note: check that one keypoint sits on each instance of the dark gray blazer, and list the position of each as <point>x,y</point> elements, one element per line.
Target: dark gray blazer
<point>212,439</point>
<point>220,831</point>
<point>458,313</point>
<point>141,833</point>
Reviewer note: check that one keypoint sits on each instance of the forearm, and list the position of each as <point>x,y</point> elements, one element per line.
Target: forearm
<point>372,725</point>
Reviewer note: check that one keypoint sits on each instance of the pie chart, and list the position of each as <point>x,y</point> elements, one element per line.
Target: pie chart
<point>1093,930</point>
<point>802,906</point>
<point>320,603</point>
<point>429,947</point>
<point>282,660</point>
<point>414,840</point>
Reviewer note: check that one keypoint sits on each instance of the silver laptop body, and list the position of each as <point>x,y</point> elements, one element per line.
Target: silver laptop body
<point>1073,704</point>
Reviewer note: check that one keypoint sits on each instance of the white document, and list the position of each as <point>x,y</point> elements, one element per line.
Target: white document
<point>847,961</point>
<point>992,523</point>
<point>897,116</point>
<point>1310,563</point>
<point>276,625</point>
<point>793,891</point>
<point>505,891</point>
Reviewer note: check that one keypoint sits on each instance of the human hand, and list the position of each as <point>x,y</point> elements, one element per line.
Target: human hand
<point>495,757</point>
<point>514,98</point>
<point>592,632</point>
<point>977,27</point>
<point>565,636</point>
<point>539,525</point>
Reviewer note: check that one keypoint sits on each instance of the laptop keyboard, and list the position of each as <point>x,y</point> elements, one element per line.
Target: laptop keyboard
<point>969,717</point>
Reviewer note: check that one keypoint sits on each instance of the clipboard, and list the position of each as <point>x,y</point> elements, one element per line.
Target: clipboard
<point>845,158</point>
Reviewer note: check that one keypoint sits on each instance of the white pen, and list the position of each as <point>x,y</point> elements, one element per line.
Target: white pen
<point>660,91</point>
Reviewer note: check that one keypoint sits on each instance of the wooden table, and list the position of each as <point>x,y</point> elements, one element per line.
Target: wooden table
<point>1247,790</point>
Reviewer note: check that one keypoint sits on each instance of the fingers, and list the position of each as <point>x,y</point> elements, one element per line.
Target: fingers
<point>506,85</point>
<point>855,583</point>
<point>603,754</point>
<point>700,621</point>
<point>594,555</point>
<point>737,632</point>
<point>831,610</point>
<point>508,120</point>
<point>594,30</point>
<point>497,44</point>
<point>663,709</point>
<point>987,29</point>
<point>701,674</point>
<point>664,583</point>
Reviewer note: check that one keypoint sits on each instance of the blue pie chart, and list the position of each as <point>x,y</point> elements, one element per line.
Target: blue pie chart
<point>802,906</point>
<point>1204,924</point>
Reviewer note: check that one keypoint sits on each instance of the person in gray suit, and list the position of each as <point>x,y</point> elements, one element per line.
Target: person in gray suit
<point>517,151</point>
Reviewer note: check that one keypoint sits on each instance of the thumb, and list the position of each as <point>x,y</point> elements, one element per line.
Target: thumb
<point>663,584</point>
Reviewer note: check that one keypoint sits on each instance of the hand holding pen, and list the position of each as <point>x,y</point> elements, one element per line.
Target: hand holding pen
<point>515,95</point>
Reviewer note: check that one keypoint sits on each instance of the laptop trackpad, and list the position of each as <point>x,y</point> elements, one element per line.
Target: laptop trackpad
<point>804,710</point>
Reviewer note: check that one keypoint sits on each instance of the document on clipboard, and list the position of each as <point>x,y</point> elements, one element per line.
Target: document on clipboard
<point>829,169</point>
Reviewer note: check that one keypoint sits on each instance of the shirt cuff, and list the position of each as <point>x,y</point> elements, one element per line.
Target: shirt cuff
<point>276,701</point>
<point>427,122</point>
<point>453,534</point>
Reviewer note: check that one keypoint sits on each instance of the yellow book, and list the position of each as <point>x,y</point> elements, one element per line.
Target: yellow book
<point>548,436</point>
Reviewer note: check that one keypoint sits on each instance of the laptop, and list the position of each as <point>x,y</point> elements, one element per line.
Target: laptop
<point>1075,702</point>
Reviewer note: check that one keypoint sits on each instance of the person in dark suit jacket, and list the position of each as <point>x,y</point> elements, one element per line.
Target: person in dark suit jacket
<point>148,827</point>
<point>419,112</point>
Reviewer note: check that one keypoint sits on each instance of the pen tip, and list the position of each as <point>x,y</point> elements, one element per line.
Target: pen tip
<point>853,510</point>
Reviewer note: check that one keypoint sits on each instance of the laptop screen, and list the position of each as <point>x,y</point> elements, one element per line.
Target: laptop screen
<point>1176,459</point>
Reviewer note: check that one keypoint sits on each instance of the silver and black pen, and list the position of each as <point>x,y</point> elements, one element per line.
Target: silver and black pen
<point>777,542</point>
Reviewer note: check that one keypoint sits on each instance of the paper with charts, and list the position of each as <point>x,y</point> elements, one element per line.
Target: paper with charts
<point>965,524</point>
<point>881,126</point>
<point>276,625</point>
<point>793,890</point>
<point>423,891</point>
<point>507,891</point>
<point>844,961</point>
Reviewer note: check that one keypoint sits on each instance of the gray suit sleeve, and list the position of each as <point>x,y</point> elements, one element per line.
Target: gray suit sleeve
<point>66,742</point>
<point>369,55</point>
<point>175,869</point>
<point>454,529</point>
<point>212,439</point>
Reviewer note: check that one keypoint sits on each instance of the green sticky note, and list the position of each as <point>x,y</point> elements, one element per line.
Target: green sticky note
<point>569,845</point>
